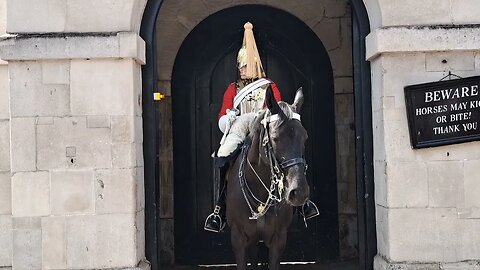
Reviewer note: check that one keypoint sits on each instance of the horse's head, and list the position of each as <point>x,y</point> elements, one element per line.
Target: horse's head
<point>288,136</point>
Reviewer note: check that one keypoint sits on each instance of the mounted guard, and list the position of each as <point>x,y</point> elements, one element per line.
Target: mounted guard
<point>242,101</point>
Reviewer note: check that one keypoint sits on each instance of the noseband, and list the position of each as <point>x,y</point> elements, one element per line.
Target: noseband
<point>276,190</point>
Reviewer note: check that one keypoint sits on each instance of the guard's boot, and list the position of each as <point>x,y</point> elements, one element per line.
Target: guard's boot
<point>310,210</point>
<point>216,221</point>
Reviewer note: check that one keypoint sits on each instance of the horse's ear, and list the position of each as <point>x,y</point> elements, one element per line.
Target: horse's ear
<point>272,104</point>
<point>297,103</point>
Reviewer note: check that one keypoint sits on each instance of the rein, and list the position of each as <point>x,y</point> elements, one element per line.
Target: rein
<point>257,207</point>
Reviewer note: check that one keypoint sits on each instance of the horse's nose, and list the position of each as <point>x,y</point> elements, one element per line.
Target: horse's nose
<point>298,195</point>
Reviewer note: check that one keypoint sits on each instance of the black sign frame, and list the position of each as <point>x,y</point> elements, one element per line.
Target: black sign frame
<point>421,126</point>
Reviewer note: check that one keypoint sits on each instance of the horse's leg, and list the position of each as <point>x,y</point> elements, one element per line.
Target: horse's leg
<point>253,255</point>
<point>239,244</point>
<point>275,249</point>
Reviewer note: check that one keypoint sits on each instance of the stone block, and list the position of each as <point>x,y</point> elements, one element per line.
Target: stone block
<point>345,140</point>
<point>381,187</point>
<point>380,263</point>
<point>471,188</point>
<point>450,61</point>
<point>132,45</point>
<point>98,121</point>
<point>378,136</point>
<point>30,194</point>
<point>469,240</point>
<point>99,16</point>
<point>72,192</point>
<point>123,155</point>
<point>102,241</point>
<point>477,61</point>
<point>335,8</point>
<point>464,151</point>
<point>27,223</point>
<point>343,85</point>
<point>44,121</point>
<point>54,243</point>
<point>115,191</point>
<point>464,12</point>
<point>344,109</point>
<point>140,236</point>
<point>407,184</point>
<point>5,193</point>
<point>412,12</point>
<point>4,145</point>
<point>424,235</point>
<point>27,249</point>
<point>3,15</point>
<point>30,97</point>
<point>139,154</point>
<point>53,141</point>
<point>348,236</point>
<point>124,129</point>
<point>102,87</point>
<point>39,16</point>
<point>6,240</point>
<point>460,266</point>
<point>398,40</point>
<point>397,138</point>
<point>382,230</point>
<point>4,93</point>
<point>167,246</point>
<point>166,189</point>
<point>23,145</point>
<point>341,59</point>
<point>444,178</point>
<point>140,182</point>
<point>328,30</point>
<point>56,72</point>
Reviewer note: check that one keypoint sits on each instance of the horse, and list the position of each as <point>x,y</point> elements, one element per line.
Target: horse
<point>267,180</point>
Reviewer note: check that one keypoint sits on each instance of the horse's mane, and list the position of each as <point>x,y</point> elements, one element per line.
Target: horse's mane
<point>257,123</point>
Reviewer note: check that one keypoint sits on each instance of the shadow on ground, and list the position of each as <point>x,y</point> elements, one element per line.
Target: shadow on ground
<point>350,265</point>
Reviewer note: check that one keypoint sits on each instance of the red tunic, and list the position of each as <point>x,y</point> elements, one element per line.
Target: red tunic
<point>231,92</point>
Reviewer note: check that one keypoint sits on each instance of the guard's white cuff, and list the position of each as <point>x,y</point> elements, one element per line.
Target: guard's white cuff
<point>222,123</point>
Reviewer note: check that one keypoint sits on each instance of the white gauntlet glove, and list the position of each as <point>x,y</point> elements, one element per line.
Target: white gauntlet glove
<point>227,119</point>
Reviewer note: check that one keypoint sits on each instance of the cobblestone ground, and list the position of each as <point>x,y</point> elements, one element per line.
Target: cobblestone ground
<point>323,266</point>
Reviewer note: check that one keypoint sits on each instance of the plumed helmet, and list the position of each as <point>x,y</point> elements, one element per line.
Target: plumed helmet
<point>248,55</point>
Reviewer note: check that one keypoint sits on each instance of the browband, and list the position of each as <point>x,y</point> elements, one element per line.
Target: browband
<point>276,117</point>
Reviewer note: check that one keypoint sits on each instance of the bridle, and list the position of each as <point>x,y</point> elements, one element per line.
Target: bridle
<point>257,207</point>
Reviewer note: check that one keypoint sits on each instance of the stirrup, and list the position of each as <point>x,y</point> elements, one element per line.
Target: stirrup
<point>214,222</point>
<point>313,213</point>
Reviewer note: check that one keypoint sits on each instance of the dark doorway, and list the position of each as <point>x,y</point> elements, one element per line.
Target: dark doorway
<point>293,56</point>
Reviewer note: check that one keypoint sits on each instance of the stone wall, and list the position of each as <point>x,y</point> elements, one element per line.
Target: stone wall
<point>427,213</point>
<point>71,169</point>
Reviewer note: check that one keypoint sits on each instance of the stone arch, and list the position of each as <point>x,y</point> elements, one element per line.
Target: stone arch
<point>151,115</point>
<point>175,23</point>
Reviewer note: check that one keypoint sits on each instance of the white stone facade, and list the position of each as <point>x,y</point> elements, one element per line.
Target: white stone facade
<point>71,163</point>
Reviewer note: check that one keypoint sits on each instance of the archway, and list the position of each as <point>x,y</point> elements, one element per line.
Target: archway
<point>293,56</point>
<point>363,124</point>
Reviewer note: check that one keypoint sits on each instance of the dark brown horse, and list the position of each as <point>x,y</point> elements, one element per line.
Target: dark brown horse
<point>267,180</point>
